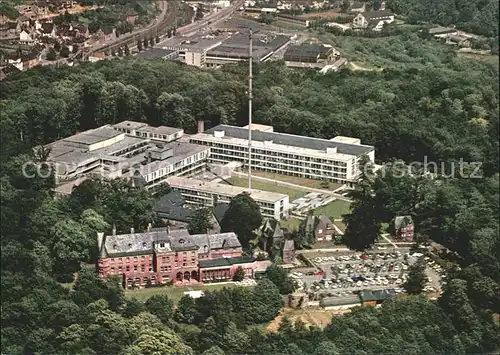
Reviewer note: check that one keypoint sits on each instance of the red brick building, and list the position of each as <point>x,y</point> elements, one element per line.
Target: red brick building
<point>162,256</point>
<point>404,228</point>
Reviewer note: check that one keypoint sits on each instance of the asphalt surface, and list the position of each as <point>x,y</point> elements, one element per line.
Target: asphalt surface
<point>361,267</point>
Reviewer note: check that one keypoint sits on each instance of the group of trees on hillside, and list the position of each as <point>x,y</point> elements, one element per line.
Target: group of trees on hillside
<point>477,16</point>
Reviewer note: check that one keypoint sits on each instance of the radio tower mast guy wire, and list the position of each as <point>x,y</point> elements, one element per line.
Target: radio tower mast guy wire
<point>250,97</point>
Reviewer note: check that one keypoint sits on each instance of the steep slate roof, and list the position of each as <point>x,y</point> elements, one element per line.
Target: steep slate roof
<point>179,240</point>
<point>402,221</point>
<point>137,243</point>
<point>171,206</point>
<point>47,27</point>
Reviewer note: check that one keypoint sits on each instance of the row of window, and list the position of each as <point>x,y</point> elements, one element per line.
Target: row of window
<point>268,153</point>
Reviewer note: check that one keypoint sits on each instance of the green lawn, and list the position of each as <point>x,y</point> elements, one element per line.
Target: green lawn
<point>174,293</point>
<point>334,209</point>
<point>268,186</point>
<point>292,224</point>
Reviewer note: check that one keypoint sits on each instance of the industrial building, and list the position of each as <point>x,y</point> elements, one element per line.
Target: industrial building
<point>159,53</point>
<point>336,160</point>
<point>225,48</point>
<point>310,53</point>
<point>206,193</point>
<point>127,148</point>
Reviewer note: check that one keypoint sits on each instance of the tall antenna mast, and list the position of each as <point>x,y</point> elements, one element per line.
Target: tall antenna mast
<point>250,97</point>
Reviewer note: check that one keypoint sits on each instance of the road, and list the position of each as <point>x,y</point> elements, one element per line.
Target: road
<point>211,19</point>
<point>96,46</point>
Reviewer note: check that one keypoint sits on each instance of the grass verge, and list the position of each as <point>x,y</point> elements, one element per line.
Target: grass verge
<point>174,293</point>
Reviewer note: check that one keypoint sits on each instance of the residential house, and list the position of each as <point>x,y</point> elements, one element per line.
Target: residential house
<point>83,31</point>
<point>288,252</point>
<point>131,16</point>
<point>373,19</point>
<point>404,228</point>
<point>458,40</point>
<point>8,70</point>
<point>48,30</point>
<point>23,20</point>
<point>107,33</point>
<point>321,227</point>
<point>25,37</point>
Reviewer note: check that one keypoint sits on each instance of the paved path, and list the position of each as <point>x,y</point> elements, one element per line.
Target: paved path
<point>295,186</point>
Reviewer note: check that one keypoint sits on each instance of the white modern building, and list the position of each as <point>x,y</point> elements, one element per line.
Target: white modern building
<point>128,148</point>
<point>336,160</point>
<point>206,193</point>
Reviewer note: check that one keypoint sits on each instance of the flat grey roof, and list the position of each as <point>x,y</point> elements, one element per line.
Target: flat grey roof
<point>130,125</point>
<point>155,53</point>
<point>292,140</point>
<point>161,130</point>
<point>180,152</point>
<point>94,136</point>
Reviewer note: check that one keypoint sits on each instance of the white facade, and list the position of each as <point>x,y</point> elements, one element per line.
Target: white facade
<point>363,19</point>
<point>271,204</point>
<point>281,154</point>
<point>196,58</point>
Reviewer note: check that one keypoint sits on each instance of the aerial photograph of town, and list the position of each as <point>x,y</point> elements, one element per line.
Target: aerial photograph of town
<point>264,177</point>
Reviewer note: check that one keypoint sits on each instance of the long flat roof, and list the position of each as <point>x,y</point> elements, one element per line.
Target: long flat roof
<point>222,189</point>
<point>180,151</point>
<point>291,140</point>
<point>94,135</point>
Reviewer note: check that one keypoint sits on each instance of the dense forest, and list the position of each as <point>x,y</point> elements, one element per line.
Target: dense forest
<point>476,16</point>
<point>426,102</point>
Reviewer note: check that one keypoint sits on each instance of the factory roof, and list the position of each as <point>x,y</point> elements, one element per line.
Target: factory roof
<point>376,295</point>
<point>155,53</point>
<point>306,50</point>
<point>291,140</point>
<point>340,301</point>
<point>222,189</point>
<point>161,130</point>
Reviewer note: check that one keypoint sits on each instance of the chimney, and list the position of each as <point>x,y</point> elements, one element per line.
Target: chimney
<point>132,230</point>
<point>149,227</point>
<point>149,157</point>
<point>168,230</point>
<point>100,244</point>
<point>201,126</point>
<point>114,229</point>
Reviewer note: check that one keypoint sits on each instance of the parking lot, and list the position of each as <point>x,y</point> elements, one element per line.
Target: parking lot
<point>344,273</point>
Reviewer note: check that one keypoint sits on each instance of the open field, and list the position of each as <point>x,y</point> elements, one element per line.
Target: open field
<point>310,316</point>
<point>315,184</point>
<point>267,186</point>
<point>334,209</point>
<point>174,293</point>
